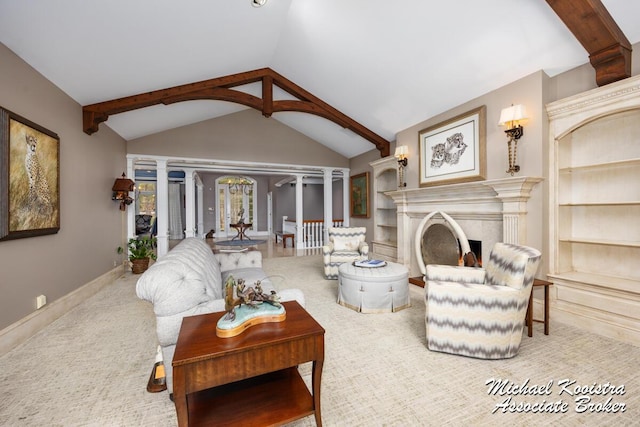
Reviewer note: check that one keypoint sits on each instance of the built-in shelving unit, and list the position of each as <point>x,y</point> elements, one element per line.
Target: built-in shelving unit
<point>385,233</point>
<point>595,206</point>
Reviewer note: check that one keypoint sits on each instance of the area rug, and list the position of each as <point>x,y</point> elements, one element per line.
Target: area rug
<point>377,368</point>
<point>245,242</point>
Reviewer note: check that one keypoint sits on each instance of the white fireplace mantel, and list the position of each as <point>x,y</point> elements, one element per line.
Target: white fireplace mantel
<point>491,211</point>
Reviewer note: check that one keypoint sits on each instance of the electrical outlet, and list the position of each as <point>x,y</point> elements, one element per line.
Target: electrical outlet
<point>41,300</point>
<point>115,263</point>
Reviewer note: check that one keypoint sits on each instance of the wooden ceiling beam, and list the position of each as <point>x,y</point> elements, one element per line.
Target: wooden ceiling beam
<point>220,89</point>
<point>590,22</point>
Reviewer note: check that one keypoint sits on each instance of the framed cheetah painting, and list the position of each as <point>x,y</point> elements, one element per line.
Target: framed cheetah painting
<point>454,151</point>
<point>30,197</point>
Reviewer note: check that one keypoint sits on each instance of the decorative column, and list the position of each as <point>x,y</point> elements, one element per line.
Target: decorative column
<point>200,206</point>
<point>346,190</point>
<point>190,203</point>
<point>328,203</point>
<point>514,194</point>
<point>162,206</point>
<point>131,212</point>
<point>299,213</point>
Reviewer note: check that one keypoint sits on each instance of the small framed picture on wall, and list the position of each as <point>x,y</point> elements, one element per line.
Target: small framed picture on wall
<point>359,195</point>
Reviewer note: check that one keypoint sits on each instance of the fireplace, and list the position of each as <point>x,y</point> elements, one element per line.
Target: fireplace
<point>487,211</point>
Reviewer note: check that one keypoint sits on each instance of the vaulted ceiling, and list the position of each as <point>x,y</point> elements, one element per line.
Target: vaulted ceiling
<point>386,65</point>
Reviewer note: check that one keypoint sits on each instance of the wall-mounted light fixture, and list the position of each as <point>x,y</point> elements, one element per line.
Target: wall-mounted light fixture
<point>258,3</point>
<point>401,155</point>
<point>121,189</point>
<point>512,119</point>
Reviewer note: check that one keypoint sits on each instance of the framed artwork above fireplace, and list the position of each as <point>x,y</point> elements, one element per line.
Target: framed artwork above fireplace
<point>455,150</point>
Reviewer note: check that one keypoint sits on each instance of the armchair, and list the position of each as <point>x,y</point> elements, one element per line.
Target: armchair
<point>480,312</point>
<point>346,244</point>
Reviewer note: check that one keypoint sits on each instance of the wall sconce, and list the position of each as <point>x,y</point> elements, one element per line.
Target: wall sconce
<point>512,118</point>
<point>258,3</point>
<point>121,189</point>
<point>401,155</point>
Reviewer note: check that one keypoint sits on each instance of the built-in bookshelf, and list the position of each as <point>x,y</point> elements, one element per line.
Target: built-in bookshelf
<point>595,206</point>
<point>385,232</point>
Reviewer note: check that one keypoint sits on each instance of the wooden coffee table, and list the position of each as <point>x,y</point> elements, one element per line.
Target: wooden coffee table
<point>249,379</point>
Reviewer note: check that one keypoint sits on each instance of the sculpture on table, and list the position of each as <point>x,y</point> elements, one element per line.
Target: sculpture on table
<point>249,296</point>
<point>241,216</point>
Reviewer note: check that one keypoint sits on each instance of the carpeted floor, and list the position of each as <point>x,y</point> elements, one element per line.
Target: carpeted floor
<point>90,367</point>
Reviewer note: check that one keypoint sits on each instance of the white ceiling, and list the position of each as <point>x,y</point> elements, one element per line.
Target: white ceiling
<point>386,64</point>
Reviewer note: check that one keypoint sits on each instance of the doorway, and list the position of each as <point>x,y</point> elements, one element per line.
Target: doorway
<point>235,203</point>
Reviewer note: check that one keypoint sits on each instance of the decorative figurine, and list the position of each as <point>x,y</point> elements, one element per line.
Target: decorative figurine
<point>249,296</point>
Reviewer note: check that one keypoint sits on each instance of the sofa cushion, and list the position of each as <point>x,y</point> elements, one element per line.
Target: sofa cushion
<point>173,287</point>
<point>198,254</point>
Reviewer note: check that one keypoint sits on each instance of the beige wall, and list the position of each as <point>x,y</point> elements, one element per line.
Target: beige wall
<point>91,224</point>
<point>90,229</point>
<point>534,91</point>
<point>245,135</point>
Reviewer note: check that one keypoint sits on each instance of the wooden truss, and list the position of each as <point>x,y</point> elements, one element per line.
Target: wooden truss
<point>593,26</point>
<point>221,89</point>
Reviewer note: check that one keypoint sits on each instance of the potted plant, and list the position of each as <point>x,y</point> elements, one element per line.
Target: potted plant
<point>140,251</point>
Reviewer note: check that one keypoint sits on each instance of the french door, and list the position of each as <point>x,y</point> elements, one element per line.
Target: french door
<point>234,202</point>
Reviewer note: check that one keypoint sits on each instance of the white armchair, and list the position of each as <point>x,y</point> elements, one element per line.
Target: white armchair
<point>346,244</point>
<point>480,312</point>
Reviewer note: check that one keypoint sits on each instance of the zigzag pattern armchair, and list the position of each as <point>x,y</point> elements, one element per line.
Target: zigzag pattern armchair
<point>346,244</point>
<point>481,312</point>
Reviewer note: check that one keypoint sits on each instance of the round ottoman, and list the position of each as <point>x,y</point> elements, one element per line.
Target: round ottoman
<point>373,290</point>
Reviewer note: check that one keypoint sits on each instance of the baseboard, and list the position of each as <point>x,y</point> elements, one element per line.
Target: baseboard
<point>20,331</point>
<point>594,321</point>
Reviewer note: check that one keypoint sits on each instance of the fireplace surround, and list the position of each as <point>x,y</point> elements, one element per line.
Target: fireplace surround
<point>490,211</point>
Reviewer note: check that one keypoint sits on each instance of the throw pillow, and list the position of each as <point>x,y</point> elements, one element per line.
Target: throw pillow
<point>345,244</point>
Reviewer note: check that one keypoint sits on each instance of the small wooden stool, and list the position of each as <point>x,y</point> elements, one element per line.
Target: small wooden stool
<point>530,319</point>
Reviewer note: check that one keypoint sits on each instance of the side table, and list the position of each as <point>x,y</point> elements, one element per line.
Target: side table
<point>530,319</point>
<point>241,227</point>
<point>251,378</point>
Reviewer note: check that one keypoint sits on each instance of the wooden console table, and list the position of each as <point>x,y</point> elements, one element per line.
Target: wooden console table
<point>251,378</point>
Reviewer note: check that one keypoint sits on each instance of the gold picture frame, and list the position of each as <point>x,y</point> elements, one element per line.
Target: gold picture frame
<point>455,150</point>
<point>30,188</point>
<point>359,195</point>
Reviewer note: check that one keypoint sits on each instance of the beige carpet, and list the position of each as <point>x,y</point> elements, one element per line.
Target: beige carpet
<point>90,368</point>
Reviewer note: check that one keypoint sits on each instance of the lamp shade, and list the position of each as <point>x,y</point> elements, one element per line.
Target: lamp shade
<point>511,116</point>
<point>401,151</point>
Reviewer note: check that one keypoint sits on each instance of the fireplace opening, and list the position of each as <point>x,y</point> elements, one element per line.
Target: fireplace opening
<point>476,249</point>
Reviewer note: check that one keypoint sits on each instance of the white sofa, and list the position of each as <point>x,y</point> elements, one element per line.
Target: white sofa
<point>189,280</point>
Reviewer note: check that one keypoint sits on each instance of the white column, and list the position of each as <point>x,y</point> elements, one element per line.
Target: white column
<point>131,212</point>
<point>162,206</point>
<point>299,213</point>
<point>200,206</point>
<point>346,191</point>
<point>328,203</point>
<point>190,204</point>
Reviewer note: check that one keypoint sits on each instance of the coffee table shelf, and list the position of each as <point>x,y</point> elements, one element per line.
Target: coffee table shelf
<point>272,399</point>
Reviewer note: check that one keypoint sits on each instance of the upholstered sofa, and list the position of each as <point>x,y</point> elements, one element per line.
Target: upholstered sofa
<point>189,280</point>
<point>346,244</point>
